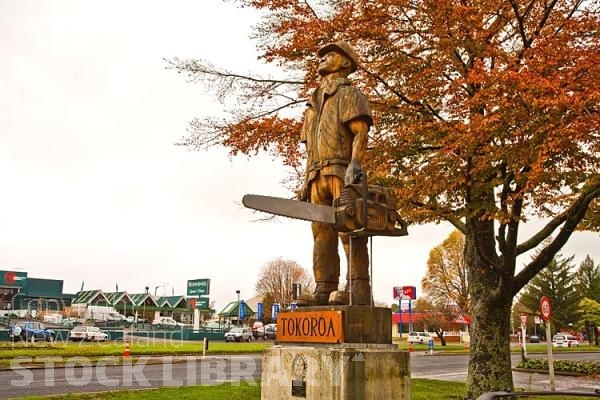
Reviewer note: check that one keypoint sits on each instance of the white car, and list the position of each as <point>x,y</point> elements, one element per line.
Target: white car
<point>564,340</point>
<point>166,322</point>
<point>113,316</point>
<point>131,319</point>
<point>419,337</point>
<point>89,333</point>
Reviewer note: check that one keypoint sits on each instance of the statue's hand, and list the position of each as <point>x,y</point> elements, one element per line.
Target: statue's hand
<point>302,193</point>
<point>354,173</point>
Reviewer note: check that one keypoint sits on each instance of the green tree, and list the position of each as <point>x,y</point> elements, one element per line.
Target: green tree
<point>446,279</point>
<point>587,279</point>
<point>486,115</point>
<point>590,319</point>
<point>557,282</point>
<point>533,315</point>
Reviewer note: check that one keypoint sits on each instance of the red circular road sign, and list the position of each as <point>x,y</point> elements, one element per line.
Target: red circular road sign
<point>545,308</point>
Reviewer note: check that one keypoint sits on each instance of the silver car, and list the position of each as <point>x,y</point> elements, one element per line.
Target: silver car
<point>238,334</point>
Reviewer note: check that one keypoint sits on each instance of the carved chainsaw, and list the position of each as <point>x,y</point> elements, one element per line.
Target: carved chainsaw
<point>361,209</point>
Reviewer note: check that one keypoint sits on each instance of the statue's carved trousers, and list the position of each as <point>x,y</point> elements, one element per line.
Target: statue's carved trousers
<point>326,261</point>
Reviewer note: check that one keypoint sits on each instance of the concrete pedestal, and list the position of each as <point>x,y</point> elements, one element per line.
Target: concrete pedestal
<point>341,372</point>
<point>335,353</point>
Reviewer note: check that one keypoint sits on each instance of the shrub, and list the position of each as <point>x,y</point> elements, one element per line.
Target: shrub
<point>580,367</point>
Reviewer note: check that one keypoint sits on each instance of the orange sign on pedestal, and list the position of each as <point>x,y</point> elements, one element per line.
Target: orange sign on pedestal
<point>310,327</point>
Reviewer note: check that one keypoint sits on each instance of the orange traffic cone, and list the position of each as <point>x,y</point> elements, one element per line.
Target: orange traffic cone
<point>126,352</point>
<point>410,348</point>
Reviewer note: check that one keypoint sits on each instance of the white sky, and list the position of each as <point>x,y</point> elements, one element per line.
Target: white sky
<point>92,187</point>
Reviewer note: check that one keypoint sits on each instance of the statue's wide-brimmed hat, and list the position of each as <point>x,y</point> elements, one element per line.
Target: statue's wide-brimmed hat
<point>341,47</point>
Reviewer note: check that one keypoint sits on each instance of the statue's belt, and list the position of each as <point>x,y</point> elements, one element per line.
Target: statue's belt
<point>318,165</point>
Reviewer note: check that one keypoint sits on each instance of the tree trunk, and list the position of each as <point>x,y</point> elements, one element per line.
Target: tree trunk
<point>491,295</point>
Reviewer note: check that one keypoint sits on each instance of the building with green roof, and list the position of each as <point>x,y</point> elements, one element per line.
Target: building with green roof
<point>231,311</point>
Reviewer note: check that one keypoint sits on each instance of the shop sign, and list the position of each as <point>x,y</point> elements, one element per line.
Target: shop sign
<point>198,287</point>
<point>13,278</point>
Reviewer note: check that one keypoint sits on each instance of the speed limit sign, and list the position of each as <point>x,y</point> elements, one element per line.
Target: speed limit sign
<point>545,308</point>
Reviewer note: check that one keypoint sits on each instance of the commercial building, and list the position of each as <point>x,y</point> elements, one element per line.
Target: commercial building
<point>30,297</point>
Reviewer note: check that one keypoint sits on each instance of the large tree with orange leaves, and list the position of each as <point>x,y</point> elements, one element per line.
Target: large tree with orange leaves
<point>486,115</point>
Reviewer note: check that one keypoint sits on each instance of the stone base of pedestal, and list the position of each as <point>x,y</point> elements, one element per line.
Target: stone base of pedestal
<point>341,372</point>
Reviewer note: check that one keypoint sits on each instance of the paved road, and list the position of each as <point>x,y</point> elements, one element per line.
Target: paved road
<point>143,374</point>
<point>454,368</point>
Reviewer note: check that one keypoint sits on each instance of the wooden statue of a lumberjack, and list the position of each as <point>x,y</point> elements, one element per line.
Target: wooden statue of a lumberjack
<point>335,128</point>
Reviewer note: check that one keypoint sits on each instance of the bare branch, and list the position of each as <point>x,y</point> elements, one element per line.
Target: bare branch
<point>572,216</point>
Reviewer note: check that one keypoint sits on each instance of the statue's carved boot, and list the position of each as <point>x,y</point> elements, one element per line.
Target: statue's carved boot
<point>361,294</point>
<point>339,298</point>
<point>322,292</point>
<point>305,300</point>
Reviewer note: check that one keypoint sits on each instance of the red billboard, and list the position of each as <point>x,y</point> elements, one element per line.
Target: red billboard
<point>405,292</point>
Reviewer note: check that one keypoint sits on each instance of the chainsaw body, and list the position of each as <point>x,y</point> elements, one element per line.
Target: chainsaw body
<point>380,213</point>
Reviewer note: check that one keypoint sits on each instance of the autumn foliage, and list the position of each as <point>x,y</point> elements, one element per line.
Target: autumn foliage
<point>445,282</point>
<point>486,115</point>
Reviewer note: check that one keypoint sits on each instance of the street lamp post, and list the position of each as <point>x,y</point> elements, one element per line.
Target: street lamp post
<point>238,301</point>
<point>159,286</point>
<point>144,312</point>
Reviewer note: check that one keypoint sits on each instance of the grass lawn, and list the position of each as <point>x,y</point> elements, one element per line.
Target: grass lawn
<point>422,389</point>
<point>92,351</point>
<point>224,391</point>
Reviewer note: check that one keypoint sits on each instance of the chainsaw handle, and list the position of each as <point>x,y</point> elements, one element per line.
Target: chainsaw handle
<point>365,194</point>
<point>362,178</point>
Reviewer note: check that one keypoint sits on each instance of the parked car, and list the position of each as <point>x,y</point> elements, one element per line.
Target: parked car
<point>69,322</point>
<point>31,331</point>
<point>166,322</point>
<point>564,340</point>
<point>117,317</point>
<point>88,333</point>
<point>534,339</point>
<point>258,330</point>
<point>271,331</point>
<point>55,319</point>
<point>238,334</point>
<point>419,337</point>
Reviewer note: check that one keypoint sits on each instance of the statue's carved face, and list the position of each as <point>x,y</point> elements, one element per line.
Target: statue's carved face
<point>333,62</point>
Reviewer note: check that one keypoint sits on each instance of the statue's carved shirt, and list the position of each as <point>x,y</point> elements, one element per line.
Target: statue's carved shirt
<point>325,130</point>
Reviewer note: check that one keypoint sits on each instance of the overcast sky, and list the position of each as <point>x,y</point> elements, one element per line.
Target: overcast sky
<point>92,187</point>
